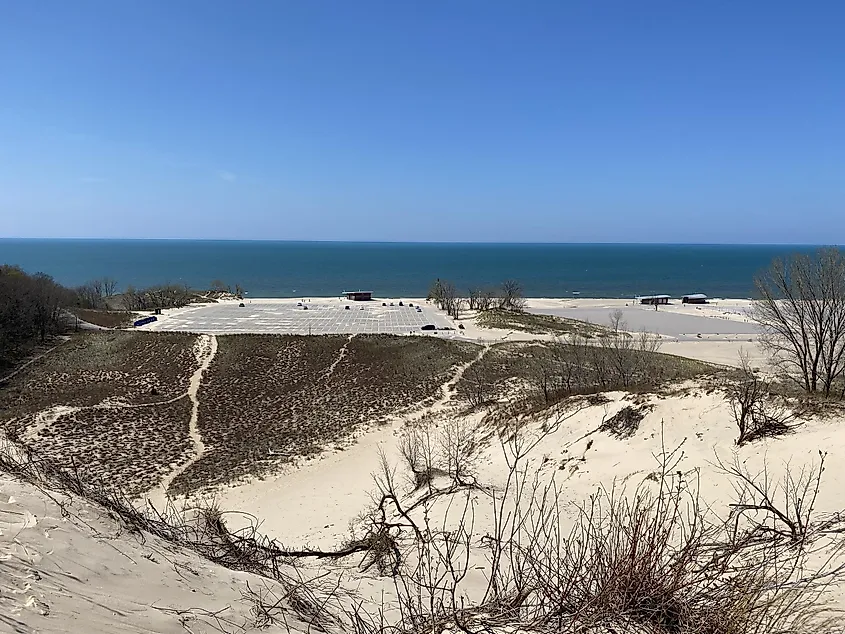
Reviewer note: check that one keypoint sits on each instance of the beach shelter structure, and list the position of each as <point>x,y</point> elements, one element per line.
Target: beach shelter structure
<point>695,298</point>
<point>358,296</point>
<point>654,300</point>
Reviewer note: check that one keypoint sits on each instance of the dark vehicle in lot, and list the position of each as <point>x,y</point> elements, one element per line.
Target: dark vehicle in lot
<point>429,327</point>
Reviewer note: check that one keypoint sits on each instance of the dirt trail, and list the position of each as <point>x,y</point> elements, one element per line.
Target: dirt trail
<point>341,354</point>
<point>45,418</point>
<point>447,387</point>
<point>446,390</point>
<point>205,350</point>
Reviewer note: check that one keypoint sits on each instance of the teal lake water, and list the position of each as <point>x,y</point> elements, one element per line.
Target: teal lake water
<point>293,269</point>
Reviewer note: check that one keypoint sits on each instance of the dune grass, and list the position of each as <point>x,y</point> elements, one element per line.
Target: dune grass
<point>268,399</point>
<point>536,324</point>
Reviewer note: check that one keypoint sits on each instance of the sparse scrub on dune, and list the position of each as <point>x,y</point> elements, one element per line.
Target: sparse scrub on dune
<point>132,448</point>
<point>131,367</point>
<point>104,318</point>
<point>114,397</point>
<point>654,558</point>
<point>533,323</point>
<point>269,399</point>
<point>287,596</point>
<point>540,374</point>
<point>112,401</point>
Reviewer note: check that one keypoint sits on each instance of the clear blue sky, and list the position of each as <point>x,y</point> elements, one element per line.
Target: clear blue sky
<point>458,120</point>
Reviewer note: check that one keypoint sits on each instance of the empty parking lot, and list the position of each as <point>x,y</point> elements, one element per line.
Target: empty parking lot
<point>323,317</point>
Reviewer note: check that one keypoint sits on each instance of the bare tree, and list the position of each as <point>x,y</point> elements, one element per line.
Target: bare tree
<point>88,296</point>
<point>435,291</point>
<point>473,297</point>
<point>480,385</point>
<point>448,297</point>
<point>418,449</point>
<point>512,296</point>
<point>445,295</point>
<point>483,299</point>
<point>109,287</point>
<point>801,310</point>
<point>617,321</point>
<point>785,508</point>
<point>93,294</point>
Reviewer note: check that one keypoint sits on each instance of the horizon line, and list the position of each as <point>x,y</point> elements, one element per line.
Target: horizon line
<point>416,242</point>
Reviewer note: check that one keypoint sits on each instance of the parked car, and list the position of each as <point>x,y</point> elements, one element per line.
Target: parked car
<point>241,305</point>
<point>429,327</point>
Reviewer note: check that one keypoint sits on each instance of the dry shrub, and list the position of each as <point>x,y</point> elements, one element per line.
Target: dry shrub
<point>758,412</point>
<point>658,558</point>
<point>418,449</point>
<point>648,559</point>
<point>625,423</point>
<point>430,450</point>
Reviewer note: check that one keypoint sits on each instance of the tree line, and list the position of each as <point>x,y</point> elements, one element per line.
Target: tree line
<point>32,309</point>
<point>508,296</point>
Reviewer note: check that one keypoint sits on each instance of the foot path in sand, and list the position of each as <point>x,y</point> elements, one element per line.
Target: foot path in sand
<point>205,349</point>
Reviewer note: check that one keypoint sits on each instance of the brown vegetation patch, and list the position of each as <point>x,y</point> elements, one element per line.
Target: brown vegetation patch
<point>536,324</point>
<point>267,399</point>
<point>104,318</point>
<point>132,448</point>
<point>625,423</point>
<point>128,367</point>
<point>124,400</point>
<point>541,374</point>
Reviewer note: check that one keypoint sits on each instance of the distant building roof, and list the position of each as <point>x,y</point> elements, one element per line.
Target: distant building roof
<point>641,297</point>
<point>696,296</point>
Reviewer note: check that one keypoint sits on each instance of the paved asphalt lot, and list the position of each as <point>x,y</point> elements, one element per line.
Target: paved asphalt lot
<point>662,321</point>
<point>321,318</point>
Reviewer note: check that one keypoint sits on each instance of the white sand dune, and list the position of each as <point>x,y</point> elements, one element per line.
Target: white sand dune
<point>67,566</point>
